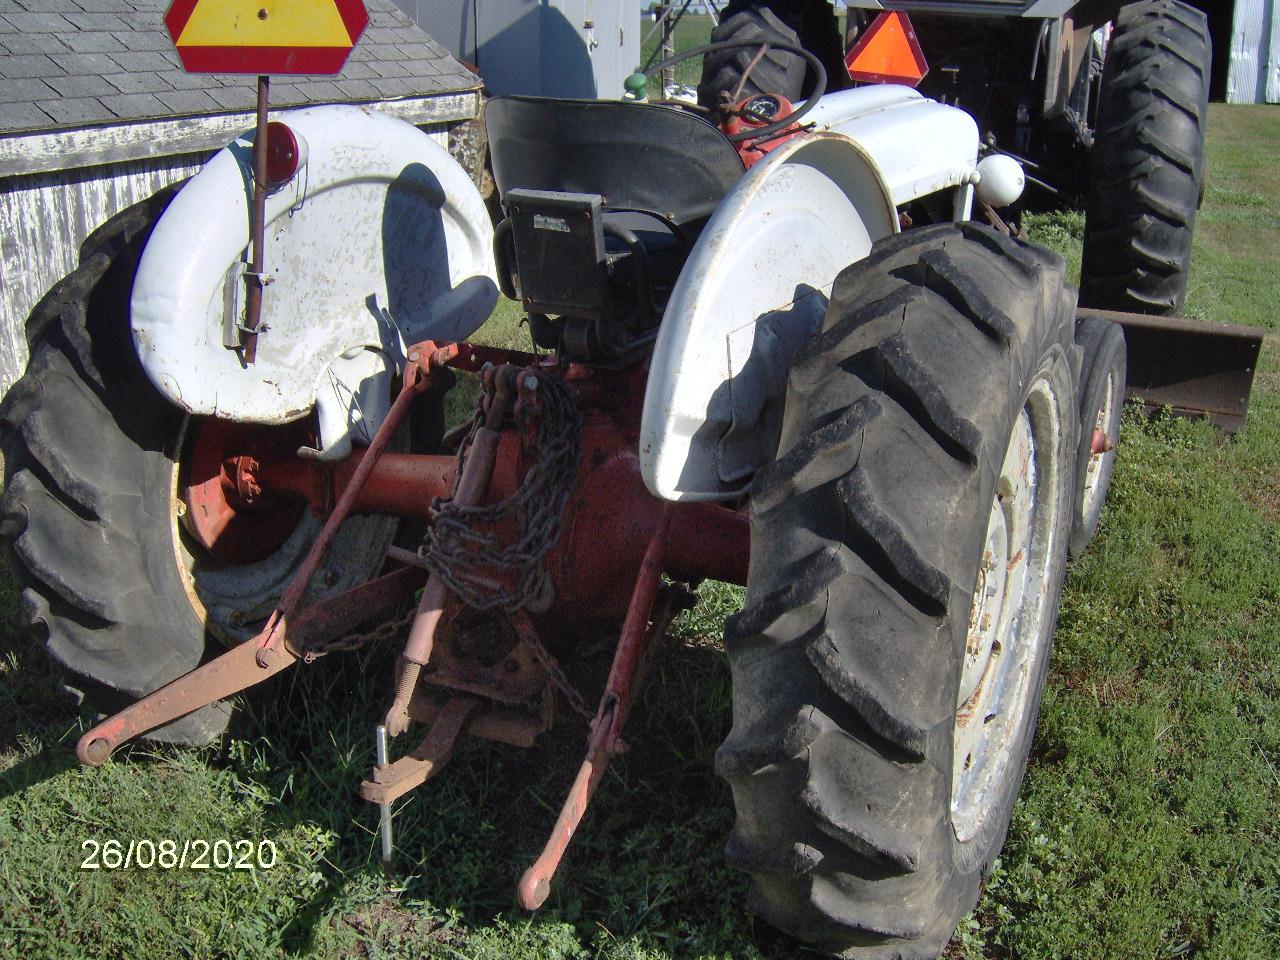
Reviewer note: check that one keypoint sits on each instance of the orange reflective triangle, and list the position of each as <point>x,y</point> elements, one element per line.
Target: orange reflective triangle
<point>888,52</point>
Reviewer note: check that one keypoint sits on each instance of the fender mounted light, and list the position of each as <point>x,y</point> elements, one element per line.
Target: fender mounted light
<point>283,154</point>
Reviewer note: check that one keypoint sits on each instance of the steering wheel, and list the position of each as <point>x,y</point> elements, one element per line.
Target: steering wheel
<point>819,86</point>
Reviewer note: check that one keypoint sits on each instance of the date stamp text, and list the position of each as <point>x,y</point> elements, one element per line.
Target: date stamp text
<point>193,854</point>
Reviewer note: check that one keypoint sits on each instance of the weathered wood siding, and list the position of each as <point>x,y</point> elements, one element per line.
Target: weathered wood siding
<point>44,217</point>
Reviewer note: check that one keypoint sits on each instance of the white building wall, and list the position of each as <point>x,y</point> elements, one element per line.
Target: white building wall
<point>1254,76</point>
<point>547,48</point>
<point>44,218</point>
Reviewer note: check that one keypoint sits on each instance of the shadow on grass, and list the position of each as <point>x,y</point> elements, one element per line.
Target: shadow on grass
<point>646,864</point>
<point>645,871</point>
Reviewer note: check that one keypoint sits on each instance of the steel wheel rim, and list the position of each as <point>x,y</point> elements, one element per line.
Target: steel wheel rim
<point>1007,636</point>
<point>233,600</point>
<point>1095,470</point>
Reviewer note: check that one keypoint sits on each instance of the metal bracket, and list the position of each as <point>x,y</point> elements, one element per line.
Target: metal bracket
<point>426,760</point>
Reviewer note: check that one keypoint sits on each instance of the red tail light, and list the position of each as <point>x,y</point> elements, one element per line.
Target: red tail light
<point>283,154</point>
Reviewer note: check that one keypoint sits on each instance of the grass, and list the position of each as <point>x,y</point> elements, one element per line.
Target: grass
<point>1149,824</point>
<point>690,31</point>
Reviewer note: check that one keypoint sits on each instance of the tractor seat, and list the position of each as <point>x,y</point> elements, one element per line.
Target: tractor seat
<point>603,201</point>
<point>639,157</point>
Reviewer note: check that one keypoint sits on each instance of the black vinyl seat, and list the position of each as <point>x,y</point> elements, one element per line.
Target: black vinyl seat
<point>603,201</point>
<point>639,157</point>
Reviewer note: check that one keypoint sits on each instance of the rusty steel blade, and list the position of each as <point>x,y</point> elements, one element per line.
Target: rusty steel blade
<point>1194,367</point>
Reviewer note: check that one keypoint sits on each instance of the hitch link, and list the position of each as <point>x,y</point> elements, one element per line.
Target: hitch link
<point>606,729</point>
<point>472,484</point>
<point>417,378</point>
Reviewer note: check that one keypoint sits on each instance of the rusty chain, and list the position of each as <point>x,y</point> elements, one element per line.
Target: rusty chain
<point>457,547</point>
<point>387,630</point>
<point>549,663</point>
<point>460,554</point>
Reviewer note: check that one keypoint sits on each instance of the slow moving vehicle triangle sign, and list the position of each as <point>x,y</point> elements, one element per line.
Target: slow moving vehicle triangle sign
<point>265,36</point>
<point>888,52</point>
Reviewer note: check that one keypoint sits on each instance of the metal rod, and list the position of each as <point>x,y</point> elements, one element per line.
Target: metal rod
<point>257,228</point>
<point>297,589</point>
<point>473,482</point>
<point>384,809</point>
<point>668,50</point>
<point>535,885</point>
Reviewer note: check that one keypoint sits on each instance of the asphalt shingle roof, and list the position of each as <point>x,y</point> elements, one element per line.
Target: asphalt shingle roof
<point>71,63</point>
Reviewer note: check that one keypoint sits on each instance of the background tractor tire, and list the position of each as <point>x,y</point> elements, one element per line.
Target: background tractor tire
<point>867,540</point>
<point>1102,383</point>
<point>1147,169</point>
<point>107,579</point>
<point>810,24</point>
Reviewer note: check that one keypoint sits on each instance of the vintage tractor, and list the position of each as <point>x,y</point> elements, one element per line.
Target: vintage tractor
<point>1105,102</point>
<point>744,368</point>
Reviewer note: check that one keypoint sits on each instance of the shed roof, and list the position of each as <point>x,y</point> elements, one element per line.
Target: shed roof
<point>76,63</point>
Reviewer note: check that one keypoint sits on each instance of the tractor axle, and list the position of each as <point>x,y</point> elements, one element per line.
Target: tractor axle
<point>604,561</point>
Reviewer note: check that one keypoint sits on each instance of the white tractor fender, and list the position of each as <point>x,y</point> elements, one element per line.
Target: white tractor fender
<point>919,146</point>
<point>379,241</point>
<point>757,282</point>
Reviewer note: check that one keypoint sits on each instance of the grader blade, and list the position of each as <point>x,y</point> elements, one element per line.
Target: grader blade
<point>1193,367</point>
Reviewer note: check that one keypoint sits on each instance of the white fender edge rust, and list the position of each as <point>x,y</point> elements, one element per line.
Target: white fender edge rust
<point>757,282</point>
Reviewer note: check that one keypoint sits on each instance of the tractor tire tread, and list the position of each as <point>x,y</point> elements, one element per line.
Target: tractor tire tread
<point>1148,159</point>
<point>838,654</point>
<point>809,24</point>
<point>83,459</point>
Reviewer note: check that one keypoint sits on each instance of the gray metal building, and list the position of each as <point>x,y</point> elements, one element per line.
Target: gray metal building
<point>548,48</point>
<point>96,113</point>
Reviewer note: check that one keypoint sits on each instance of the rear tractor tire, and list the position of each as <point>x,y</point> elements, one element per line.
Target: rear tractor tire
<point>809,24</point>
<point>908,547</point>
<point>1148,163</point>
<point>123,598</point>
